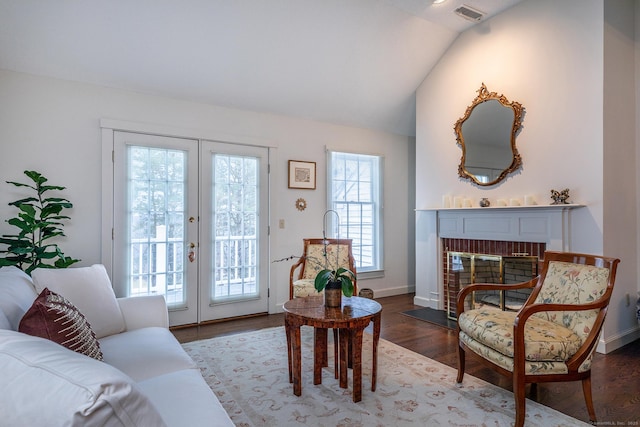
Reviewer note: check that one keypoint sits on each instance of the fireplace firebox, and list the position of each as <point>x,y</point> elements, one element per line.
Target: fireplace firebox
<point>465,268</point>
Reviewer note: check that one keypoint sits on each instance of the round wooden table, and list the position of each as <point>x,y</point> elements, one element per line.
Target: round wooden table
<point>350,319</point>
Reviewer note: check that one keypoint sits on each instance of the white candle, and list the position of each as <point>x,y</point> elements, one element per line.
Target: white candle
<point>529,200</point>
<point>514,202</point>
<point>457,202</point>
<point>446,201</point>
<point>502,202</point>
<point>467,203</point>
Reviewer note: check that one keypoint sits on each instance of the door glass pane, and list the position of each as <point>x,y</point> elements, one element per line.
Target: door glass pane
<point>235,238</point>
<point>156,184</point>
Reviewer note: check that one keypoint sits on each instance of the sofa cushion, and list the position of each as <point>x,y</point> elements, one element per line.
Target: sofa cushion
<point>53,317</point>
<point>145,353</point>
<point>172,393</point>
<point>4,322</point>
<point>89,289</point>
<point>46,384</point>
<point>16,295</point>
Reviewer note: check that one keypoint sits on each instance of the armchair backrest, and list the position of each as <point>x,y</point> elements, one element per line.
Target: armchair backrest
<point>575,279</point>
<point>338,254</point>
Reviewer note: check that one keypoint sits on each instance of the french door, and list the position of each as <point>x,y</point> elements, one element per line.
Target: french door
<point>233,230</point>
<point>190,223</point>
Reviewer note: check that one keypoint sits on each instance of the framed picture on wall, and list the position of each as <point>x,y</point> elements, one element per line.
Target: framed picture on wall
<point>302,174</point>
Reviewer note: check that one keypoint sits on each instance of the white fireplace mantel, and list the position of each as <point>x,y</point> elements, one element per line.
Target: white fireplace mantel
<point>538,223</point>
<point>549,224</point>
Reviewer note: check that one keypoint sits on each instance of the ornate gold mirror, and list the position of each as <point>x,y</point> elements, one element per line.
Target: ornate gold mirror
<point>487,136</point>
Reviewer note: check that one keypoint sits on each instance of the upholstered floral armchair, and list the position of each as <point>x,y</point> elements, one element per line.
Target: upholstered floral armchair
<point>317,255</point>
<point>553,336</point>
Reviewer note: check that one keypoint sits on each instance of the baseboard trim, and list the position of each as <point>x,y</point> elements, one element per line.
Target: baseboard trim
<point>389,292</point>
<point>425,302</point>
<point>618,340</point>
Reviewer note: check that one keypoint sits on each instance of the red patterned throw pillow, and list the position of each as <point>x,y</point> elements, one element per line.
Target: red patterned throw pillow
<point>53,317</point>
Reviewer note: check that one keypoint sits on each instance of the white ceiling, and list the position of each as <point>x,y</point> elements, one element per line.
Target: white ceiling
<point>352,62</point>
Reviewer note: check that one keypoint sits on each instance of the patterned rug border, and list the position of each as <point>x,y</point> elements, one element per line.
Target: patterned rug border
<point>249,374</point>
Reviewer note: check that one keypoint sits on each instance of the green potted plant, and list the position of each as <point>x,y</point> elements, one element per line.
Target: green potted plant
<point>334,283</point>
<point>38,221</point>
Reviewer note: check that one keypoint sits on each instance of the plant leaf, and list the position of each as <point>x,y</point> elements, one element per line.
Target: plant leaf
<point>19,184</point>
<point>65,262</point>
<point>24,201</point>
<point>44,188</point>
<point>36,177</point>
<point>347,286</point>
<point>321,280</point>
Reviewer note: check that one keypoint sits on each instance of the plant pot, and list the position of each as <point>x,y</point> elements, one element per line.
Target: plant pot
<point>333,294</point>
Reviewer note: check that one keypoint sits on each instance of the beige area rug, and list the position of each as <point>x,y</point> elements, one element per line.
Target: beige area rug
<point>249,374</point>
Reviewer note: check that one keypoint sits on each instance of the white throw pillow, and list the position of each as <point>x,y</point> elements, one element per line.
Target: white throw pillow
<point>45,384</point>
<point>89,289</point>
<point>16,294</point>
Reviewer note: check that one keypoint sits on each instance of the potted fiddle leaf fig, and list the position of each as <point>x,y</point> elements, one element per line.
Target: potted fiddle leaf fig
<point>38,221</point>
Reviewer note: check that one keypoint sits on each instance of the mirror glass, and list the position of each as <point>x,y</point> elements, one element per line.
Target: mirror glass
<point>487,136</point>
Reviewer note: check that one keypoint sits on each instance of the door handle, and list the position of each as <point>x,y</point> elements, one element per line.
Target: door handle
<point>192,252</point>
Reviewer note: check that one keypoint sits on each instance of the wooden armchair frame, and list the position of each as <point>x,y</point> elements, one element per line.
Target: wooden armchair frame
<point>520,377</point>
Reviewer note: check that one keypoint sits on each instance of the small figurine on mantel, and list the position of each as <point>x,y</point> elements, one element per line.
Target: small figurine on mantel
<point>560,197</point>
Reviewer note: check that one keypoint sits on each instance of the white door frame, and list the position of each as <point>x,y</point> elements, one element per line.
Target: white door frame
<point>108,126</point>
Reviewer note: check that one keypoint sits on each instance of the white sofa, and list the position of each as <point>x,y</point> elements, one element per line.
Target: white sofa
<point>145,378</point>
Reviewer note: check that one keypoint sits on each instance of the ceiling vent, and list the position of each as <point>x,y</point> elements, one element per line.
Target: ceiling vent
<point>469,13</point>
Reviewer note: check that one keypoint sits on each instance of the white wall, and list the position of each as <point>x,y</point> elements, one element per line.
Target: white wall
<point>52,126</point>
<point>547,55</point>
<point>620,187</point>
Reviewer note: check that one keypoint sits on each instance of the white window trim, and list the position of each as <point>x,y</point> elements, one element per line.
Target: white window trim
<point>379,272</point>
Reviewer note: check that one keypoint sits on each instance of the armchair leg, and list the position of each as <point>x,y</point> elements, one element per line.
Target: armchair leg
<point>586,389</point>
<point>519,392</point>
<point>461,360</point>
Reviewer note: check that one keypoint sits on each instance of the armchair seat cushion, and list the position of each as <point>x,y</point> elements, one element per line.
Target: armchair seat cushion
<point>544,340</point>
<point>304,288</point>
<point>530,368</point>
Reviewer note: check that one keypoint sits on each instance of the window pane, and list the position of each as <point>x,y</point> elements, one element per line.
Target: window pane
<point>354,185</point>
<point>156,185</point>
<point>235,216</point>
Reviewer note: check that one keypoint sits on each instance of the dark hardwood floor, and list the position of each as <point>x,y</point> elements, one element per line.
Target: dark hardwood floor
<point>615,376</point>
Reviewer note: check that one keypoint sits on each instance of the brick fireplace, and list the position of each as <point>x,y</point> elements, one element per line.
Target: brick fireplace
<point>495,230</point>
<point>514,257</point>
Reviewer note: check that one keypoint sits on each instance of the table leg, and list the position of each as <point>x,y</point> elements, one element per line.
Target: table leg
<point>336,356</point>
<point>344,337</point>
<point>288,332</point>
<point>319,353</point>
<point>356,340</point>
<point>296,350</point>
<point>376,339</point>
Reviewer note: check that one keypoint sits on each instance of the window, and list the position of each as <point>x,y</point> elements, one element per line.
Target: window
<point>355,193</point>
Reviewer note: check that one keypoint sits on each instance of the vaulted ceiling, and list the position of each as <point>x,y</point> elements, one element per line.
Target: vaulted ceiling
<point>351,62</point>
